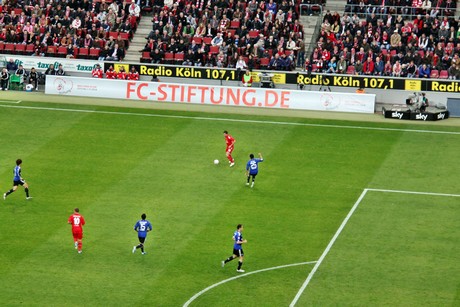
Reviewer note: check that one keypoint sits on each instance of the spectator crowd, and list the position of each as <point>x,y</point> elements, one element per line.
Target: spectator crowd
<point>221,33</point>
<point>72,25</point>
<point>414,39</point>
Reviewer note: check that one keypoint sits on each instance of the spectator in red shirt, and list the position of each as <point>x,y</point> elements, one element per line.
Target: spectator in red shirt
<point>368,67</point>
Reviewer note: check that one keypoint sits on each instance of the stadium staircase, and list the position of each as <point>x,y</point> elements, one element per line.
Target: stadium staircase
<point>138,42</point>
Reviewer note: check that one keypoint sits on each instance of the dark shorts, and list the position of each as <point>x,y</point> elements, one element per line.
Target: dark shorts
<point>238,252</point>
<point>253,175</point>
<point>141,239</point>
<point>20,182</point>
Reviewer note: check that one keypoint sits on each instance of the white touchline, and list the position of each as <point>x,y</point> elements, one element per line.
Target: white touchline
<point>345,221</point>
<point>242,275</point>
<point>233,120</point>
<point>10,101</point>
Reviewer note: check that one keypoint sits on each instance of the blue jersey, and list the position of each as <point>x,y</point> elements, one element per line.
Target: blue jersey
<point>142,227</point>
<point>17,173</point>
<point>253,166</point>
<point>237,236</point>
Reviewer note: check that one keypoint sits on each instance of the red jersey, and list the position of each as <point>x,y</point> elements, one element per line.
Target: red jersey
<point>77,222</point>
<point>229,140</point>
<point>122,75</point>
<point>133,75</point>
<point>97,73</point>
<point>111,74</point>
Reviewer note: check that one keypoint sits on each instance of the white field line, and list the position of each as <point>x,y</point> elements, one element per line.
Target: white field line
<point>328,248</point>
<point>232,120</point>
<point>240,276</point>
<point>9,101</point>
<point>413,192</point>
<point>345,221</point>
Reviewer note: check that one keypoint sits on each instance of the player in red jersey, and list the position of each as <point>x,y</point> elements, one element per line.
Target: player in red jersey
<point>111,73</point>
<point>230,146</point>
<point>133,74</point>
<point>77,221</point>
<point>122,74</point>
<point>97,72</point>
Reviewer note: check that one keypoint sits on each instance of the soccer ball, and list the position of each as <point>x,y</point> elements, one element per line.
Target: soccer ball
<point>216,162</point>
<point>29,87</point>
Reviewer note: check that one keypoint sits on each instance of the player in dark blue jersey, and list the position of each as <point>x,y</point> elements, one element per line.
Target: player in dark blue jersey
<point>18,180</point>
<point>237,248</point>
<point>252,168</point>
<point>142,227</point>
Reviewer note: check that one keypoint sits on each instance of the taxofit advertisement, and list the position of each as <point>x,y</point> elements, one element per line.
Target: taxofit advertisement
<point>210,95</point>
<point>42,63</point>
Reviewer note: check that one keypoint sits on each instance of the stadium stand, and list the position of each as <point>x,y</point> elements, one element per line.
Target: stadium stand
<point>47,28</point>
<point>404,34</point>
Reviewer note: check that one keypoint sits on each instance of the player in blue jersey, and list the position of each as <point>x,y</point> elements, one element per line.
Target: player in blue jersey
<point>237,248</point>
<point>18,180</point>
<point>252,168</point>
<point>142,227</point>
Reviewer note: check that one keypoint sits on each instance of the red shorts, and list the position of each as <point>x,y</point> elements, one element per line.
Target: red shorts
<point>229,149</point>
<point>77,234</point>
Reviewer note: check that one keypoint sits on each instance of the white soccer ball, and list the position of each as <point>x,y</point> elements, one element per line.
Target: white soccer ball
<point>29,87</point>
<point>216,162</point>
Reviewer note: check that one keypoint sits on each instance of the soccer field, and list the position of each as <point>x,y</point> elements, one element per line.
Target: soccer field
<point>324,223</point>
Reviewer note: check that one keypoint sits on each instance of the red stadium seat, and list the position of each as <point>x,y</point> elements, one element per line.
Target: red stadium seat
<point>264,62</point>
<point>234,24</point>
<point>2,46</point>
<point>198,40</point>
<point>434,74</point>
<point>253,33</point>
<point>179,58</point>
<point>51,51</point>
<point>207,40</point>
<point>83,53</point>
<point>214,49</point>
<point>9,48</point>
<point>20,49</point>
<point>350,70</point>
<point>30,48</point>
<point>94,53</point>
<point>443,74</point>
<point>62,51</point>
<point>146,57</point>
<point>169,58</point>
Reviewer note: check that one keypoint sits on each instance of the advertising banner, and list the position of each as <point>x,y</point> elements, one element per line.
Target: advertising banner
<point>42,63</point>
<point>210,95</point>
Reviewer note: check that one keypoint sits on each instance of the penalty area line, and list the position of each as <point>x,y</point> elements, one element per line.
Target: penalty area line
<point>344,223</point>
<point>234,120</point>
<point>328,248</point>
<point>240,276</point>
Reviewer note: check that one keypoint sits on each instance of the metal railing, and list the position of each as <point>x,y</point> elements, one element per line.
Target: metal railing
<point>312,8</point>
<point>407,12</point>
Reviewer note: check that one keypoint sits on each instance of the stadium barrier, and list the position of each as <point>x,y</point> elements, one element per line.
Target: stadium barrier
<point>210,95</point>
<point>294,78</point>
<point>42,63</point>
<point>228,74</point>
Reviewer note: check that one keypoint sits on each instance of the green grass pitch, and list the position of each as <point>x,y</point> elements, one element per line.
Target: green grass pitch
<point>114,164</point>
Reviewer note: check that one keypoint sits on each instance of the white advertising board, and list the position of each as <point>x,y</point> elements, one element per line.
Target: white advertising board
<point>210,95</point>
<point>42,63</point>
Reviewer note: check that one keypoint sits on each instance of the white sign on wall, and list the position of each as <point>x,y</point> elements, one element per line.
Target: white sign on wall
<point>42,63</point>
<point>210,95</point>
